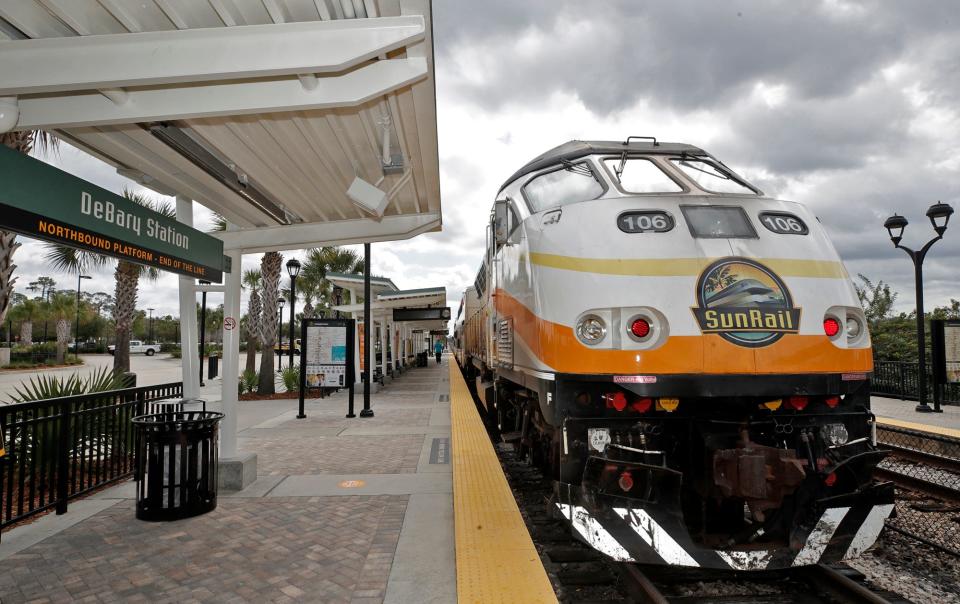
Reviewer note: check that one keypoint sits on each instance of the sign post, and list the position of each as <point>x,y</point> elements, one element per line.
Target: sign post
<point>41,201</point>
<point>945,353</point>
<point>326,357</point>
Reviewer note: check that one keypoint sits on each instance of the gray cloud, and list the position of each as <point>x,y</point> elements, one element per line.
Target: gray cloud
<point>688,54</point>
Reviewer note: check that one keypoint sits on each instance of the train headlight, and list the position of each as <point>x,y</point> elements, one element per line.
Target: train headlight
<point>853,328</point>
<point>835,434</point>
<point>591,329</point>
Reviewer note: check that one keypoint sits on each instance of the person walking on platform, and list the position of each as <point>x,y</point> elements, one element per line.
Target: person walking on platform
<point>438,349</point>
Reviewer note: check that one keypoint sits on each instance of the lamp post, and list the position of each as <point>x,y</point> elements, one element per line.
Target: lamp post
<point>293,269</point>
<point>150,328</point>
<point>203,324</point>
<point>76,328</point>
<point>939,215</point>
<point>280,303</point>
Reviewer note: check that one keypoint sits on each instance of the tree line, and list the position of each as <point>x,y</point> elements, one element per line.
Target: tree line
<point>894,335</point>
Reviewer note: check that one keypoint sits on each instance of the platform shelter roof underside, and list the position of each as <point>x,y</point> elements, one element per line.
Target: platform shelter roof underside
<point>265,111</point>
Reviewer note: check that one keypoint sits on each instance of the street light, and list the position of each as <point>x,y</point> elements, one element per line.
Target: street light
<point>150,328</point>
<point>76,328</point>
<point>293,269</point>
<point>203,325</point>
<point>280,304</point>
<point>939,215</point>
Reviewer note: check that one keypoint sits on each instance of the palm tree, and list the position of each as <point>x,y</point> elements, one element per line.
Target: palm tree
<point>23,142</point>
<point>25,312</point>
<point>270,276</point>
<point>62,308</point>
<point>252,279</point>
<point>328,259</point>
<point>127,276</point>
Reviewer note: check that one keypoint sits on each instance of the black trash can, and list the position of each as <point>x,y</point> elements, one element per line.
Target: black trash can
<point>176,464</point>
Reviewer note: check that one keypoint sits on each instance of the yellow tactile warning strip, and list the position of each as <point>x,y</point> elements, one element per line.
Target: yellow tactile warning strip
<point>496,559</point>
<point>919,427</point>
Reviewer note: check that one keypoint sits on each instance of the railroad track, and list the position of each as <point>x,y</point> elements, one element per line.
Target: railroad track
<point>935,474</point>
<point>581,575</point>
<point>806,585</point>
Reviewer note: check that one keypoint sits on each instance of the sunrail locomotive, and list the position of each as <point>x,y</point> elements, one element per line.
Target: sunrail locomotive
<point>685,356</point>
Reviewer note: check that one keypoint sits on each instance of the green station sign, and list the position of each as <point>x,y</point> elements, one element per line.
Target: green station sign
<point>39,200</point>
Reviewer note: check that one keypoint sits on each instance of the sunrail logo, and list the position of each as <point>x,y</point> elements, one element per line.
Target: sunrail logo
<point>745,303</point>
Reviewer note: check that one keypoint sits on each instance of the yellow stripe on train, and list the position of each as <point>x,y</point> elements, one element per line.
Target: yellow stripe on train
<point>684,267</point>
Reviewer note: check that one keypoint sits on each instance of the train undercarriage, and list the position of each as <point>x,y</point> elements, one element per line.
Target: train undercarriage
<point>762,480</point>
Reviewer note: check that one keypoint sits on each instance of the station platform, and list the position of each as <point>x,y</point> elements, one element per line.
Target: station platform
<point>901,413</point>
<point>408,506</point>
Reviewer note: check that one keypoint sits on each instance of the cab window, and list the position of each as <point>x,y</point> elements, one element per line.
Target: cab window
<point>710,177</point>
<point>641,176</point>
<point>572,183</point>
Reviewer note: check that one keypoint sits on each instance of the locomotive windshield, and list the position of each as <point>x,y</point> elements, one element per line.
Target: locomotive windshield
<point>570,184</point>
<point>641,176</point>
<point>711,177</point>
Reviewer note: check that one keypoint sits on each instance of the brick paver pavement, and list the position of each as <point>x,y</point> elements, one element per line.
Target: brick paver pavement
<point>284,455</point>
<point>253,549</point>
<point>321,549</point>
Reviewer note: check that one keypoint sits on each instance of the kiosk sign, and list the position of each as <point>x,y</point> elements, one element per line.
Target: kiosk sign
<point>326,348</point>
<point>39,200</point>
<point>326,356</point>
<point>945,346</point>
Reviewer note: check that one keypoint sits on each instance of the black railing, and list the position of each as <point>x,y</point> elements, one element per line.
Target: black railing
<point>899,380</point>
<point>59,449</point>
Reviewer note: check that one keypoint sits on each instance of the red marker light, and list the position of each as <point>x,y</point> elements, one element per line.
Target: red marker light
<point>617,400</point>
<point>831,479</point>
<point>798,403</point>
<point>831,326</point>
<point>832,401</point>
<point>626,481</point>
<point>640,328</point>
<point>642,405</point>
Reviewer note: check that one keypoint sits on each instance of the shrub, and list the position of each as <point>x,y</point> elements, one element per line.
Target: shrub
<point>291,378</point>
<point>44,387</point>
<point>248,381</point>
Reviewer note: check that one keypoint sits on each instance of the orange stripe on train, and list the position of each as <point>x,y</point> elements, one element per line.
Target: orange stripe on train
<point>557,346</point>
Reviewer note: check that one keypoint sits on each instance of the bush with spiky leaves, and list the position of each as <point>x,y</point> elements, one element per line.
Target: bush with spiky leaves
<point>45,386</point>
<point>291,378</point>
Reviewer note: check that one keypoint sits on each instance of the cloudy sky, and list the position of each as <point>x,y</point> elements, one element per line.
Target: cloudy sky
<point>849,107</point>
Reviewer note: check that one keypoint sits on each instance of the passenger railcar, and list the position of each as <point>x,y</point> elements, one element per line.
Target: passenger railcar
<point>684,355</point>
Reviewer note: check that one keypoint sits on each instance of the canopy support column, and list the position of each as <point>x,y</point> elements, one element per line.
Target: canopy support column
<point>367,332</point>
<point>189,363</point>
<point>231,356</point>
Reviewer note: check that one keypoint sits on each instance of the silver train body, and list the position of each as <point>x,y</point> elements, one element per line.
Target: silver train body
<point>685,356</point>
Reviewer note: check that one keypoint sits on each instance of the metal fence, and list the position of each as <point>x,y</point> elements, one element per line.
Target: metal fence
<point>59,449</point>
<point>926,469</point>
<point>899,380</point>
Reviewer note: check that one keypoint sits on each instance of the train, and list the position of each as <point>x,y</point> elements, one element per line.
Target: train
<point>685,358</point>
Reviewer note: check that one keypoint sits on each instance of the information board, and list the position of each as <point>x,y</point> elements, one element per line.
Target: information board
<point>951,349</point>
<point>325,349</point>
<point>945,349</point>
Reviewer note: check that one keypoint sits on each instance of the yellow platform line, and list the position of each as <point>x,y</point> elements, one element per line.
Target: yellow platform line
<point>919,427</point>
<point>496,559</point>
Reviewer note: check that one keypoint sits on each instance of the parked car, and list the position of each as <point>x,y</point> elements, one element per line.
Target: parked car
<point>138,347</point>
<point>284,347</point>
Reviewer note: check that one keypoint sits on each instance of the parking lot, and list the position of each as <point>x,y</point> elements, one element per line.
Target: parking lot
<point>158,369</point>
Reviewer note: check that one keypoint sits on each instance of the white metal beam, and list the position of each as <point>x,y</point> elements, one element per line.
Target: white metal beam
<point>339,232</point>
<point>77,63</point>
<point>239,98</point>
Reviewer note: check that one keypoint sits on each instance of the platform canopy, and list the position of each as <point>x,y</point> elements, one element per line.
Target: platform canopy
<point>265,111</point>
<point>388,299</point>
